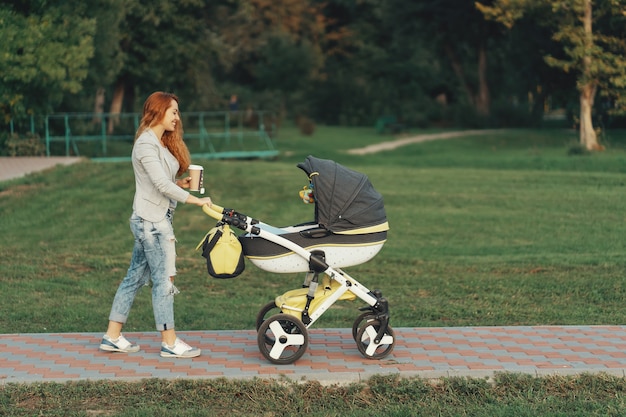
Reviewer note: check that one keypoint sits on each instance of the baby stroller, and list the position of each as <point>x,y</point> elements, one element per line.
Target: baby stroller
<point>350,228</point>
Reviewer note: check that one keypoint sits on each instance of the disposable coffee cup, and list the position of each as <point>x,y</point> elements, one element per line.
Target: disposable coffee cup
<point>196,172</point>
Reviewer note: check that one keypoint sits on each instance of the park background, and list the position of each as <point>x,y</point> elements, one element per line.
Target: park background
<point>427,63</point>
<point>520,225</point>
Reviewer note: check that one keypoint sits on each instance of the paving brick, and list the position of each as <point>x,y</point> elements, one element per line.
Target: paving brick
<point>332,354</point>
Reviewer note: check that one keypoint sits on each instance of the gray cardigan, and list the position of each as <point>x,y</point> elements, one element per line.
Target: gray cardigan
<point>155,178</point>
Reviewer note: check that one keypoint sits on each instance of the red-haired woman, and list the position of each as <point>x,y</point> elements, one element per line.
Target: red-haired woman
<point>159,156</point>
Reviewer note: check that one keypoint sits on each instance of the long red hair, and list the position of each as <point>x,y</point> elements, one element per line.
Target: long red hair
<point>153,112</point>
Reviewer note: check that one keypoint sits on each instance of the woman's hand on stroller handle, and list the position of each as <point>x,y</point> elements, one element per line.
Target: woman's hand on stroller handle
<point>199,201</point>
<point>228,216</point>
<point>213,210</point>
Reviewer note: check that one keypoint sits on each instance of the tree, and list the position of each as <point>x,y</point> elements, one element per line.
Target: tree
<point>275,45</point>
<point>457,30</point>
<point>381,66</point>
<point>44,54</point>
<point>163,45</point>
<point>108,59</point>
<point>599,59</point>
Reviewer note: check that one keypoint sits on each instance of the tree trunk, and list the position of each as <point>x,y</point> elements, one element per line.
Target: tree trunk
<point>116,107</point>
<point>483,100</point>
<point>480,99</point>
<point>460,74</point>
<point>98,105</point>
<point>588,137</point>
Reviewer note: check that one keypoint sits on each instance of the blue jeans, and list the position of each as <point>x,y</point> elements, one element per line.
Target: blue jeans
<point>153,259</point>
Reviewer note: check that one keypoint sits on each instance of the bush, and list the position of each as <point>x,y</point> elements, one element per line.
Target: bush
<point>505,114</point>
<point>576,149</point>
<point>306,125</point>
<point>28,145</point>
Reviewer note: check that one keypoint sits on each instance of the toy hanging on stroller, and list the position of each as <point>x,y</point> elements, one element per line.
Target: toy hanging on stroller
<point>350,228</point>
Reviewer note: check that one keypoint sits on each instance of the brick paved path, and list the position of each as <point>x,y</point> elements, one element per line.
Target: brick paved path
<point>332,355</point>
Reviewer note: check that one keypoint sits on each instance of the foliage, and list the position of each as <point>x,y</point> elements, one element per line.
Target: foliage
<point>306,125</point>
<point>425,62</point>
<point>596,57</point>
<point>463,52</point>
<point>43,56</point>
<point>607,52</point>
<point>29,145</point>
<point>166,46</point>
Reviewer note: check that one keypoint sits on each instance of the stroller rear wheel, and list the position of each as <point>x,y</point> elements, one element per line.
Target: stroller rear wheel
<point>282,339</point>
<point>267,311</point>
<point>365,340</point>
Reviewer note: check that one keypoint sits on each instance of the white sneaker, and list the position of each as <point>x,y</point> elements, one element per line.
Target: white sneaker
<point>119,345</point>
<point>179,350</point>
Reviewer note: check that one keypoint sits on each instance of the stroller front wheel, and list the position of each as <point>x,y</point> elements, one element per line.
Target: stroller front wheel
<point>362,319</point>
<point>365,340</point>
<point>282,339</point>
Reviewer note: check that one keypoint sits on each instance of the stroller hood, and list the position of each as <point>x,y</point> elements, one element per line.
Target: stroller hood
<point>345,200</point>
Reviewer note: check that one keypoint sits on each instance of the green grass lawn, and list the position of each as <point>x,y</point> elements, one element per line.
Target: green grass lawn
<point>506,228</point>
<point>503,235</point>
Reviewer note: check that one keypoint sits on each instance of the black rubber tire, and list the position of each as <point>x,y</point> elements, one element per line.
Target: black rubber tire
<point>263,315</point>
<point>274,337</point>
<point>364,339</point>
<point>360,321</point>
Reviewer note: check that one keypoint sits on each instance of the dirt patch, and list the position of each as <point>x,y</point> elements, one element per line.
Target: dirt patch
<point>394,144</point>
<point>19,190</point>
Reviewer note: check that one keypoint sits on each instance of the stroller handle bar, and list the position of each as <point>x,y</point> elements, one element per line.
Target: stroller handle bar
<point>255,227</point>
<point>229,216</point>
<point>214,211</point>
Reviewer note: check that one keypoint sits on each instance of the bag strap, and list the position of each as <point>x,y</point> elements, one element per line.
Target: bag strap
<point>211,243</point>
<point>219,226</point>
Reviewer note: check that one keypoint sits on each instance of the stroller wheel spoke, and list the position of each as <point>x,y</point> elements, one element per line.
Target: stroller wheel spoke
<point>282,339</point>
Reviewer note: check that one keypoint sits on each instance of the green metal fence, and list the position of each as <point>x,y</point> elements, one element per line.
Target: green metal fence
<point>106,136</point>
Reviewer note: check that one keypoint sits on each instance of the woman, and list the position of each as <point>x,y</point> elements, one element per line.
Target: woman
<point>159,156</point>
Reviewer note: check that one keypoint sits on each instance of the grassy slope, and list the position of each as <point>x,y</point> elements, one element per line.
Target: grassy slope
<point>505,234</point>
<point>503,229</point>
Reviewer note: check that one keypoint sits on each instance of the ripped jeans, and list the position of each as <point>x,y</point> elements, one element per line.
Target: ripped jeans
<point>154,258</point>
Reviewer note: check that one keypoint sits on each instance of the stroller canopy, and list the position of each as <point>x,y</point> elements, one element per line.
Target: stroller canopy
<point>345,200</point>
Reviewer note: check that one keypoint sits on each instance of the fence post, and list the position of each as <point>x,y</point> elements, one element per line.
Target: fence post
<point>240,124</point>
<point>261,125</point>
<point>67,135</point>
<point>227,125</point>
<point>103,131</point>
<point>201,129</point>
<point>47,136</point>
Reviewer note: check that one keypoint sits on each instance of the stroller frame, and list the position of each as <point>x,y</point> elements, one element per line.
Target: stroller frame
<point>283,338</point>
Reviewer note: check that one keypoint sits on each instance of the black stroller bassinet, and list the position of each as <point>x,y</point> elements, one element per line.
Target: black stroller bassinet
<point>350,223</point>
